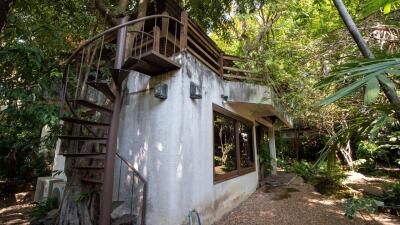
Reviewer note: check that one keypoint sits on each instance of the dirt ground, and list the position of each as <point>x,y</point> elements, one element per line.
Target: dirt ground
<point>16,209</point>
<point>368,185</point>
<point>297,204</point>
<point>293,204</point>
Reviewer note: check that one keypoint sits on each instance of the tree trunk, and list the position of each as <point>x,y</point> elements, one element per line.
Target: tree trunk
<point>390,93</point>
<point>352,27</point>
<point>346,152</point>
<point>79,206</point>
<point>393,98</point>
<point>5,6</point>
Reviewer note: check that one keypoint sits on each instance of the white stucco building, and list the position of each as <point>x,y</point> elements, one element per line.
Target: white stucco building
<point>191,133</point>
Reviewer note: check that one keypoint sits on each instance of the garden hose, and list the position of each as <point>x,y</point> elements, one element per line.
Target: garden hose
<point>191,217</point>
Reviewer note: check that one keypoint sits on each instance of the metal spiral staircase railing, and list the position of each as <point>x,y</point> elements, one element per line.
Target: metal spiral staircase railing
<point>91,101</point>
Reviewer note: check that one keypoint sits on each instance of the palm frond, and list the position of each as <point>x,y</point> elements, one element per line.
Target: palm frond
<point>369,73</point>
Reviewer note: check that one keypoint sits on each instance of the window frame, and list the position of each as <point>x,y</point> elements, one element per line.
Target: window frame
<point>239,171</point>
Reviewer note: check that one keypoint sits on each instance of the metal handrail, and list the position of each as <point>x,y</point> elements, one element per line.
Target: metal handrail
<point>132,168</point>
<point>89,41</point>
<point>143,180</point>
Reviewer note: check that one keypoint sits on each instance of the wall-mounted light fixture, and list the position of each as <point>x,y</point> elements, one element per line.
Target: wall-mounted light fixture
<point>161,91</point>
<point>195,91</point>
<point>224,99</point>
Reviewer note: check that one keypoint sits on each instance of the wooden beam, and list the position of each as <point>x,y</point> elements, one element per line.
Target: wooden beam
<point>199,48</point>
<point>236,58</point>
<point>203,60</point>
<point>239,70</point>
<point>201,37</point>
<point>184,31</point>
<point>242,77</point>
<point>221,65</point>
<point>156,37</point>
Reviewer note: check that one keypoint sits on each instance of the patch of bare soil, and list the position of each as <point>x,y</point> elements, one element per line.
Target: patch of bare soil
<point>368,185</point>
<point>296,204</point>
<point>16,208</point>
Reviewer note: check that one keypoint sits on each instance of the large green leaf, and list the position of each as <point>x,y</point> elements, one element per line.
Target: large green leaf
<point>371,90</point>
<point>361,69</point>
<point>386,81</point>
<point>343,92</point>
<point>372,6</point>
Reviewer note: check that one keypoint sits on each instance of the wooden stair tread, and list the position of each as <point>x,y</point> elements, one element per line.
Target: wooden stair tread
<point>119,75</point>
<point>84,122</point>
<point>103,87</point>
<point>88,180</point>
<point>84,155</point>
<point>92,105</point>
<point>82,138</point>
<point>89,167</point>
<point>130,62</point>
<point>160,60</point>
<point>151,63</point>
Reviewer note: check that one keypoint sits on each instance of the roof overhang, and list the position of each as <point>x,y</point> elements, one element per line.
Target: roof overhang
<point>258,100</point>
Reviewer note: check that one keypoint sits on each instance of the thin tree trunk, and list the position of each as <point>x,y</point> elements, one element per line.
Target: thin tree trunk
<point>390,93</point>
<point>346,152</point>
<point>352,27</point>
<point>5,6</point>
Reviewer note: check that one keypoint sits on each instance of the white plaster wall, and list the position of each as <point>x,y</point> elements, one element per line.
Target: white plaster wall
<point>171,143</point>
<point>59,162</point>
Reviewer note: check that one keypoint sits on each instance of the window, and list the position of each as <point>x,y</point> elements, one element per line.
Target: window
<point>233,145</point>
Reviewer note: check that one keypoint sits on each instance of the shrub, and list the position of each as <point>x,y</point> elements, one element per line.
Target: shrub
<point>392,196</point>
<point>352,205</point>
<point>265,157</point>
<point>303,169</point>
<point>330,182</point>
<point>44,207</point>
<point>366,150</point>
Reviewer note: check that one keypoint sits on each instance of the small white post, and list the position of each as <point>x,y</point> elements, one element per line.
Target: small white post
<point>272,149</point>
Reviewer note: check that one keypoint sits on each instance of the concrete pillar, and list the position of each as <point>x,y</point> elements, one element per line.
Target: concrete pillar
<point>272,149</point>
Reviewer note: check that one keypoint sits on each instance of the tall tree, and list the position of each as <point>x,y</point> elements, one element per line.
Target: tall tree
<point>389,90</point>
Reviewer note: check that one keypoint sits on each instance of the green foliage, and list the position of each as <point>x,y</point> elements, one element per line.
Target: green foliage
<point>304,169</point>
<point>386,6</point>
<point>392,196</point>
<point>82,196</point>
<point>365,73</point>
<point>37,37</point>
<point>265,157</point>
<point>328,182</point>
<point>366,150</point>
<point>353,205</point>
<point>43,207</point>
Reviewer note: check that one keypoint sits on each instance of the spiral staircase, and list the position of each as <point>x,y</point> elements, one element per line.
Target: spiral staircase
<point>93,91</point>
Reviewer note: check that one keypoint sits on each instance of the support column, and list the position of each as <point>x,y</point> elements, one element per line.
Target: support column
<point>107,192</point>
<point>272,149</point>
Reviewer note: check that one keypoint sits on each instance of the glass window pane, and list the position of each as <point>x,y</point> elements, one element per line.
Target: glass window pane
<point>246,146</point>
<point>224,144</point>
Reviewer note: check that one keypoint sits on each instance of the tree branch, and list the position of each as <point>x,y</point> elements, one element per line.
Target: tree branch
<point>104,11</point>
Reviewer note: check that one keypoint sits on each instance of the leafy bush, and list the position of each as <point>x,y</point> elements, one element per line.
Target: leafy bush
<point>304,169</point>
<point>392,196</point>
<point>366,150</point>
<point>44,207</point>
<point>265,157</point>
<point>352,205</point>
<point>366,155</point>
<point>325,181</point>
<point>330,182</point>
